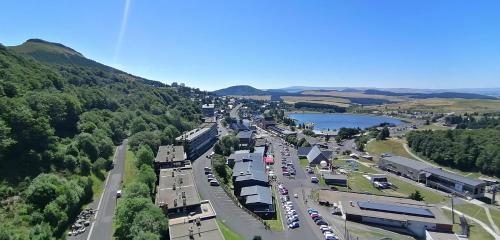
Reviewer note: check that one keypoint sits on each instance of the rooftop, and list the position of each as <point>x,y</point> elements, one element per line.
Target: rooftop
<point>245,134</point>
<point>193,134</point>
<point>399,209</point>
<point>170,153</point>
<point>256,175</point>
<point>176,188</point>
<point>208,106</point>
<point>327,176</point>
<point>414,164</point>
<point>454,177</point>
<point>197,225</point>
<point>315,153</point>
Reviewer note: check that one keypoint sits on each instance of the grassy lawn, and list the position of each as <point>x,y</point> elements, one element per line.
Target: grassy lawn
<point>276,225</point>
<point>433,126</point>
<point>130,169</point>
<point>97,186</point>
<point>406,189</point>
<point>377,148</point>
<point>476,231</point>
<point>303,162</point>
<point>479,213</point>
<point>228,233</point>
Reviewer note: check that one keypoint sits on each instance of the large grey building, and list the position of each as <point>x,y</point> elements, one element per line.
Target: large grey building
<point>402,166</point>
<point>198,140</point>
<point>170,156</point>
<point>208,110</point>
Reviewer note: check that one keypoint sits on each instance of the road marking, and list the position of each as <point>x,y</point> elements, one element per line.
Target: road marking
<point>102,195</point>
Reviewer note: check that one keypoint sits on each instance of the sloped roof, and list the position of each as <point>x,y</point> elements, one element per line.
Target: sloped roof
<point>262,195</point>
<point>315,155</point>
<point>257,176</point>
<point>303,151</point>
<point>245,134</point>
<point>409,163</point>
<point>454,177</point>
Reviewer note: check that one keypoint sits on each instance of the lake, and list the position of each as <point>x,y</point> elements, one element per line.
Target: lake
<point>323,121</point>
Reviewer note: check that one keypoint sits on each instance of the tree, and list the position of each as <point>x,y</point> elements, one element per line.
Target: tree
<point>126,211</point>
<point>88,144</point>
<point>149,220</point>
<point>384,134</point>
<point>416,196</point>
<point>43,190</point>
<point>147,176</point>
<point>136,189</point>
<point>138,125</point>
<point>145,156</point>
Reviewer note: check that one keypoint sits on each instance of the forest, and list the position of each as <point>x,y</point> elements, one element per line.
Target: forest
<point>464,149</point>
<point>59,125</point>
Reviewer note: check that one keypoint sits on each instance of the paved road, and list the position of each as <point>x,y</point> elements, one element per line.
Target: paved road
<point>101,228</point>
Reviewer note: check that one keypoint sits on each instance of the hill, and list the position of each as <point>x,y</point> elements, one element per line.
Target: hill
<point>430,95</point>
<point>61,116</point>
<point>240,90</point>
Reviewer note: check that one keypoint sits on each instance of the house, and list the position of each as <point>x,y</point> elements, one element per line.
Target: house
<point>259,200</point>
<point>246,138</point>
<point>402,166</point>
<point>248,179</point>
<point>170,156</point>
<point>454,183</point>
<point>244,157</point>
<point>410,216</point>
<point>302,152</point>
<point>315,156</point>
<point>335,179</point>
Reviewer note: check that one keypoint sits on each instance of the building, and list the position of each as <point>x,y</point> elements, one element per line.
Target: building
<point>208,110</point>
<point>454,183</point>
<point>260,142</point>
<point>335,179</point>
<point>316,156</point>
<point>266,122</point>
<point>402,166</point>
<point>176,191</point>
<point>394,213</point>
<point>198,140</point>
<point>244,157</point>
<point>433,177</point>
<point>430,235</point>
<point>259,200</point>
<point>171,156</point>
<point>246,138</point>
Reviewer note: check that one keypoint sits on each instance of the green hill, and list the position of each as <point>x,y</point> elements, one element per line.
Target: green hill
<point>240,90</point>
<point>61,115</point>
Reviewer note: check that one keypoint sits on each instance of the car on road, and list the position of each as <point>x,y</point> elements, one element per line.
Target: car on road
<point>293,218</point>
<point>214,183</point>
<point>314,180</point>
<point>293,225</point>
<point>286,173</point>
<point>325,228</point>
<point>320,221</point>
<point>207,170</point>
<point>209,179</point>
<point>118,193</point>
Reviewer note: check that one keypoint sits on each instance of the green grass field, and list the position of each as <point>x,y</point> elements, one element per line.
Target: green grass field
<point>476,231</point>
<point>479,213</point>
<point>228,233</point>
<point>303,162</point>
<point>434,126</point>
<point>130,169</point>
<point>377,148</point>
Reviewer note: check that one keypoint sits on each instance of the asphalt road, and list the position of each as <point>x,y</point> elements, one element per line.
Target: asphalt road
<point>102,226</point>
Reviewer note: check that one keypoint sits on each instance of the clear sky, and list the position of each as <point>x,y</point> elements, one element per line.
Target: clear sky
<point>212,44</point>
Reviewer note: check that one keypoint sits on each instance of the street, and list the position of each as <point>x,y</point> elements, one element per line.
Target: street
<point>102,226</point>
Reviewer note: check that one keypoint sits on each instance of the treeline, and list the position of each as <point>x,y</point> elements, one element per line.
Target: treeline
<point>63,121</point>
<point>468,150</point>
<point>474,122</point>
<point>320,106</point>
<point>137,217</point>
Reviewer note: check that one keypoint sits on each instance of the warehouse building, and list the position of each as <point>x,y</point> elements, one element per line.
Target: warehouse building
<point>335,179</point>
<point>454,183</point>
<point>198,140</point>
<point>401,214</point>
<point>402,166</point>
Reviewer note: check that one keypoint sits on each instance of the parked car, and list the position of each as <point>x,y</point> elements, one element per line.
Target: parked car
<point>286,173</point>
<point>293,225</point>
<point>214,183</point>
<point>314,180</point>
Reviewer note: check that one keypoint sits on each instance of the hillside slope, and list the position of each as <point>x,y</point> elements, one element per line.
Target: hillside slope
<point>59,122</point>
<point>240,90</point>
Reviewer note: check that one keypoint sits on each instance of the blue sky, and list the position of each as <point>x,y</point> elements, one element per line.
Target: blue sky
<point>275,43</point>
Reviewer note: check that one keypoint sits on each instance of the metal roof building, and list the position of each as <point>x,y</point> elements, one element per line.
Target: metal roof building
<point>315,156</point>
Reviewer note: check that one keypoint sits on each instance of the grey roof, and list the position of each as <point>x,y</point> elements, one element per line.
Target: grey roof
<point>248,167</point>
<point>259,150</point>
<point>257,176</point>
<point>170,153</point>
<point>315,155</point>
<point>245,134</point>
<point>263,195</point>
<point>327,176</point>
<point>327,153</point>
<point>252,190</point>
<point>410,163</point>
<point>208,105</point>
<point>455,177</point>
<point>193,134</point>
<point>303,151</point>
<point>398,209</point>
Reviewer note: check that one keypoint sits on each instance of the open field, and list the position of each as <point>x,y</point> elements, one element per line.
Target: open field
<point>323,100</point>
<point>434,126</point>
<point>377,148</point>
<point>456,105</point>
<point>355,95</point>
<point>476,231</point>
<point>255,97</point>
<point>228,233</point>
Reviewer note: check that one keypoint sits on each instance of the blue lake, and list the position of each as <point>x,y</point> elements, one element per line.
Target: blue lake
<point>323,121</point>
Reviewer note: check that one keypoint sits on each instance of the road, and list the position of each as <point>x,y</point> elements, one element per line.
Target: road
<point>102,226</point>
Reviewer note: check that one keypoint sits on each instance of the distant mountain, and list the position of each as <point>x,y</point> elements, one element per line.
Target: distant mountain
<point>240,90</point>
<point>430,95</point>
<point>58,54</point>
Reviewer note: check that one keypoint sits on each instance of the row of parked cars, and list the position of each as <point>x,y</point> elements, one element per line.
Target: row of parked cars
<point>292,219</point>
<point>210,177</point>
<point>323,225</point>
